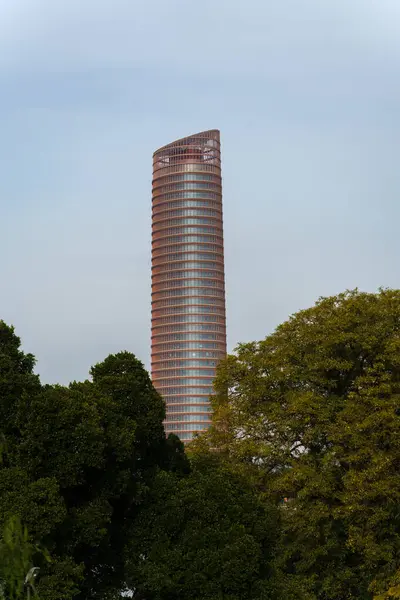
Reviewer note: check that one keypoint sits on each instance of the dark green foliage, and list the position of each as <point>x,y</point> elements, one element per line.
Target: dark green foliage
<point>204,536</point>
<point>77,464</point>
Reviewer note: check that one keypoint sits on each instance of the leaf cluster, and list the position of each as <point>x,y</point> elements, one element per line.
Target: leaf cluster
<point>312,412</point>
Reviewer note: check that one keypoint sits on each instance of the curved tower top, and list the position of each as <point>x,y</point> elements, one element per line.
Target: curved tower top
<point>204,147</point>
<point>188,289</point>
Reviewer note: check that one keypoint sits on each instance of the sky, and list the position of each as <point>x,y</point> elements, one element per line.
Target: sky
<point>306,94</point>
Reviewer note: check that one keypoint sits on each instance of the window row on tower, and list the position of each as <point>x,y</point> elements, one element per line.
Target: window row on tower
<point>170,205</point>
<point>182,268</point>
<point>159,357</point>
<point>166,224</point>
<point>168,373</point>
<point>176,267</point>
<point>188,283</point>
<point>157,321</point>
<point>187,418</point>
<point>192,302</point>
<point>170,311</point>
<point>182,258</point>
<point>188,319</point>
<point>186,168</point>
<point>192,381</point>
<point>173,207</point>
<point>186,239</point>
<point>177,217</point>
<point>194,362</point>
<point>182,399</point>
<point>187,194</point>
<point>188,427</point>
<point>183,185</point>
<point>184,390</point>
<point>170,250</point>
<point>197,336</point>
<point>188,345</point>
<point>167,358</point>
<point>192,230</point>
<point>208,291</point>
<point>199,272</point>
<point>187,327</point>
<point>188,217</point>
<point>173,345</point>
<point>166,289</point>
<point>188,177</point>
<point>190,408</point>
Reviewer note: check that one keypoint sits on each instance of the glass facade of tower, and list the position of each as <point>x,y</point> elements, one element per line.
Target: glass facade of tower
<point>188,328</point>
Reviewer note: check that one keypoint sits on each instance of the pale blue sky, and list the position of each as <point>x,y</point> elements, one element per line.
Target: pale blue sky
<point>306,94</point>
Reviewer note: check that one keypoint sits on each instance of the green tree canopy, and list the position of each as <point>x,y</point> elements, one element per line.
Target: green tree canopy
<point>205,536</point>
<point>78,462</point>
<point>314,410</point>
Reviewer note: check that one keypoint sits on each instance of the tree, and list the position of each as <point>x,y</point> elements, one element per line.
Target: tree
<point>17,573</point>
<point>78,462</point>
<point>204,536</point>
<point>314,409</point>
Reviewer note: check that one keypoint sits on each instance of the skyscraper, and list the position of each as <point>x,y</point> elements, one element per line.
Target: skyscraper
<point>188,326</point>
